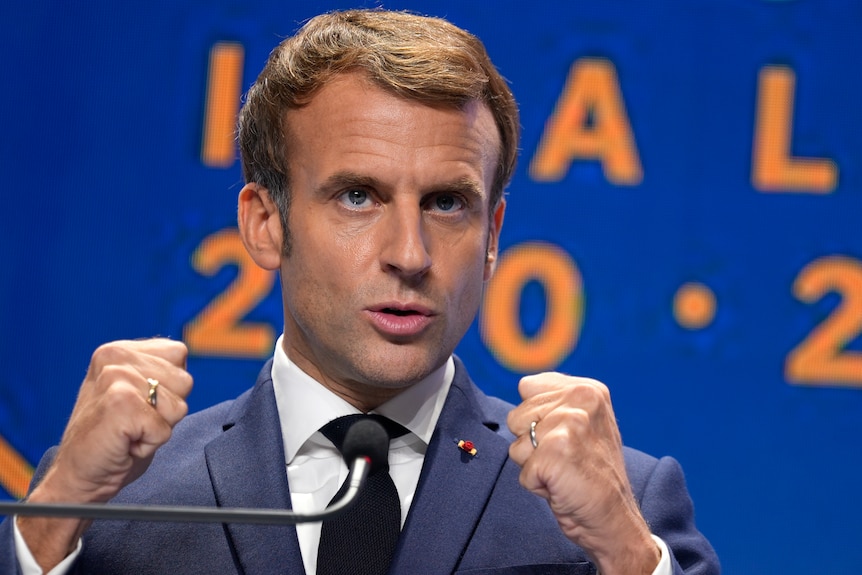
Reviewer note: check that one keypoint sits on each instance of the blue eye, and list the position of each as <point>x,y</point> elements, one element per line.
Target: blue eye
<point>357,197</point>
<point>448,203</point>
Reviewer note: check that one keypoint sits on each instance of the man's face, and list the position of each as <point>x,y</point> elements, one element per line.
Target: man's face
<point>391,232</point>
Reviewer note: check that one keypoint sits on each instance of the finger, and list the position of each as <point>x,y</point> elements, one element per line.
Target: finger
<point>531,478</point>
<point>521,449</point>
<point>140,352</point>
<point>101,434</point>
<point>152,432</point>
<point>537,387</point>
<point>532,385</point>
<point>562,426</point>
<point>170,406</point>
<point>539,394</point>
<point>521,417</point>
<point>169,377</point>
<point>145,427</point>
<point>166,366</point>
<point>174,352</point>
<point>548,393</point>
<point>538,464</point>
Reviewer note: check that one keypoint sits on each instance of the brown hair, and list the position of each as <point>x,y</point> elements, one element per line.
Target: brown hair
<point>417,57</point>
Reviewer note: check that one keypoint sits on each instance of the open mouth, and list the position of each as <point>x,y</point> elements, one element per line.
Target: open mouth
<point>400,312</point>
<point>401,319</point>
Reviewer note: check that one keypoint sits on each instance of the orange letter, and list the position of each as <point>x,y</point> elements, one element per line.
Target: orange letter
<point>590,122</point>
<point>223,95</point>
<point>773,168</point>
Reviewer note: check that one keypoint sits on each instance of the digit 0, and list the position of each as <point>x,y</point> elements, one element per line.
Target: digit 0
<point>820,359</point>
<point>500,323</point>
<point>218,329</point>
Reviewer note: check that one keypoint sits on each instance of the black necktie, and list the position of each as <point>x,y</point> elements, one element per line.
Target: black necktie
<point>361,541</point>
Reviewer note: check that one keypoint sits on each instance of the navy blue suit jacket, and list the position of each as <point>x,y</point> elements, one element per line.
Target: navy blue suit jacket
<point>469,514</point>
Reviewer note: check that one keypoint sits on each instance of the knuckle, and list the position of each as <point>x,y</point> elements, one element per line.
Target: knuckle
<point>562,442</point>
<point>163,431</point>
<point>176,351</point>
<point>172,408</point>
<point>511,420</point>
<point>182,409</point>
<point>525,385</point>
<point>601,389</point>
<point>118,395</point>
<point>525,478</point>
<point>513,451</point>
<point>589,393</point>
<point>109,354</point>
<point>112,375</point>
<point>116,372</point>
<point>185,383</point>
<point>578,420</point>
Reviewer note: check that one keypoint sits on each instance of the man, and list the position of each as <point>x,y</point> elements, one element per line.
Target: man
<point>376,146</point>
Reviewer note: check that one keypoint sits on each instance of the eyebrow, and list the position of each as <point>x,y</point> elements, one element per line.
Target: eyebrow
<point>345,179</point>
<point>464,186</point>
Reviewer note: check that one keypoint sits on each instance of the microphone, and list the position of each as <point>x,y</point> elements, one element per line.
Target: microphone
<point>365,449</point>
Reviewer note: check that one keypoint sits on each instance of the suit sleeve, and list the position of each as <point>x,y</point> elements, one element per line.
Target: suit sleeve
<point>9,560</point>
<point>669,512</point>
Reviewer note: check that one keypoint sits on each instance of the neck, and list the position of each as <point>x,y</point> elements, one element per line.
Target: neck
<point>363,397</point>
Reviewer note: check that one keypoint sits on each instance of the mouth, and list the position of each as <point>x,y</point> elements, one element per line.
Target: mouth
<point>400,320</point>
<point>402,310</point>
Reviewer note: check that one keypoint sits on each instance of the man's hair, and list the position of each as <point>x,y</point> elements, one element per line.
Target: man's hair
<point>419,58</point>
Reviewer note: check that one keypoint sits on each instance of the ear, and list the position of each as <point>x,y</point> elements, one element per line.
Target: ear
<point>260,226</point>
<point>494,239</point>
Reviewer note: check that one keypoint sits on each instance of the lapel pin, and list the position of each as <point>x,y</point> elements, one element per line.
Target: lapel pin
<point>466,446</point>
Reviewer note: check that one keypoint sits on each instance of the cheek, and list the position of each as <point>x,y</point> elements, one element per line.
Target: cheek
<point>468,280</point>
<point>313,268</point>
<point>348,250</point>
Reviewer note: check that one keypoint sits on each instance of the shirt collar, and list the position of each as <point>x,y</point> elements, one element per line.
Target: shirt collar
<point>304,405</point>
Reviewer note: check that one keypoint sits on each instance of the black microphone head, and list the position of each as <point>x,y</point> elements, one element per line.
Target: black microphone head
<point>367,438</point>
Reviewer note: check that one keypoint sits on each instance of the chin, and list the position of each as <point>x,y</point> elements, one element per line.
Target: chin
<point>395,372</point>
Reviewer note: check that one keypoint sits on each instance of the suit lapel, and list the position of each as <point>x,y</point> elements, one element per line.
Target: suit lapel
<point>247,468</point>
<point>454,486</point>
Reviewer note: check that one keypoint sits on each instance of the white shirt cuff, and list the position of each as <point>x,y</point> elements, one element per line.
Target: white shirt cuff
<point>664,566</point>
<point>28,563</point>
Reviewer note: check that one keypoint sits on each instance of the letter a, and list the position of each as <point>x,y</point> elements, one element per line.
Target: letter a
<point>589,122</point>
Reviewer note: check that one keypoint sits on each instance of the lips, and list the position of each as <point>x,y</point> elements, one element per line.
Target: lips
<point>402,309</point>
<point>400,319</point>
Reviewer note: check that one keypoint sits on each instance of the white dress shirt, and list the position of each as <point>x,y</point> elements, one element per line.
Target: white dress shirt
<point>315,468</point>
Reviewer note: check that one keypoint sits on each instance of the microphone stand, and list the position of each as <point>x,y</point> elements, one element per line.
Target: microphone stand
<point>192,514</point>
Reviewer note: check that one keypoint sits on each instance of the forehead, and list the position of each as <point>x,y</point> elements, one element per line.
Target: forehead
<point>352,123</point>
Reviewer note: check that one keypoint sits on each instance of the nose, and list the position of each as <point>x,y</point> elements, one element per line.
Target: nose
<point>405,249</point>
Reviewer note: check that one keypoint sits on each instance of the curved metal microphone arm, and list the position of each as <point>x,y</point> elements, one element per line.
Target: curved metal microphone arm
<point>192,514</point>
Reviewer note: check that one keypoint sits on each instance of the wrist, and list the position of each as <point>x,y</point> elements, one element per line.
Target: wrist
<point>51,539</point>
<point>624,546</point>
<point>640,560</point>
<point>62,484</point>
<point>635,553</point>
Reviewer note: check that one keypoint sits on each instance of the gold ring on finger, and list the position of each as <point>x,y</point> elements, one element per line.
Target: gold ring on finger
<point>533,439</point>
<point>153,393</point>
